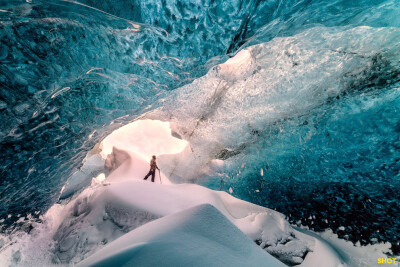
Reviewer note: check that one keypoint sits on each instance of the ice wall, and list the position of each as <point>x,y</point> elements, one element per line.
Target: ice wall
<point>314,104</point>
<point>311,115</point>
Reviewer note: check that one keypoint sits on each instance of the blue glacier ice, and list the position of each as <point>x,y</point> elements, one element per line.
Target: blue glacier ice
<point>305,118</point>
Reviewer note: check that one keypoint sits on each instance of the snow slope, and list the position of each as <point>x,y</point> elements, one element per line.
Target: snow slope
<point>107,211</point>
<point>199,236</point>
<point>124,220</point>
<point>124,202</point>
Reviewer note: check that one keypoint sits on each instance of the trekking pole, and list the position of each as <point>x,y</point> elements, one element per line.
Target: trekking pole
<point>159,174</point>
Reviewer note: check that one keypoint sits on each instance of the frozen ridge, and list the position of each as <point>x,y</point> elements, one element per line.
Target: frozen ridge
<point>198,236</point>
<point>101,214</point>
<point>125,220</point>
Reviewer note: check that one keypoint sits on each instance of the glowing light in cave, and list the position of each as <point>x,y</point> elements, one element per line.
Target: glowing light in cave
<point>145,138</point>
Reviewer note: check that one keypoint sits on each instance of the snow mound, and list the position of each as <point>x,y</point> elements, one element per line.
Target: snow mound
<point>124,216</point>
<point>199,236</point>
<point>123,202</point>
<point>107,211</point>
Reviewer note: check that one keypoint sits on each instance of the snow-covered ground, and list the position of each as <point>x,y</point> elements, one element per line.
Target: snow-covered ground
<point>125,221</point>
<point>198,236</point>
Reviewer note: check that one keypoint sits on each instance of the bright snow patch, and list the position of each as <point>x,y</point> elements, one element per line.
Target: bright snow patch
<point>143,138</point>
<point>125,220</point>
<point>199,236</point>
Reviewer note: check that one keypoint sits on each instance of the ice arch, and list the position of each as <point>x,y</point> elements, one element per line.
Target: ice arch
<point>135,142</point>
<point>144,137</point>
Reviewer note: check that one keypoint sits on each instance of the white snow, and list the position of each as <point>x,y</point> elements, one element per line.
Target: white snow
<point>104,212</point>
<point>358,256</point>
<point>198,236</point>
<point>144,138</point>
<point>124,219</point>
<point>121,219</point>
<point>237,67</point>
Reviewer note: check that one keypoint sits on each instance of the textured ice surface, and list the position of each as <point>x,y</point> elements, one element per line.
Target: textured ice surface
<point>324,131</point>
<point>93,165</point>
<point>280,85</point>
<point>315,112</point>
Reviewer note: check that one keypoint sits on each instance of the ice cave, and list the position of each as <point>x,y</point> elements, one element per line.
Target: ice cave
<point>274,125</point>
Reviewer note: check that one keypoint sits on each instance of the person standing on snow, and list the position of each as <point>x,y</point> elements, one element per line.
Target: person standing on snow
<point>153,167</point>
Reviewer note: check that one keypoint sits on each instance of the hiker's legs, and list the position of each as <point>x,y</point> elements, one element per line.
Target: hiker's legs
<point>153,175</point>
<point>147,176</point>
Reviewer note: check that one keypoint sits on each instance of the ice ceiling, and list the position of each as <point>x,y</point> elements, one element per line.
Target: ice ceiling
<point>305,118</point>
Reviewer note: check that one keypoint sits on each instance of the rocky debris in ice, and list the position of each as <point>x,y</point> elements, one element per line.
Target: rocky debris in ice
<point>226,154</point>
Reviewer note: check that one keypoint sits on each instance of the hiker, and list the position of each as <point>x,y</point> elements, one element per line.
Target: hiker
<point>153,167</point>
